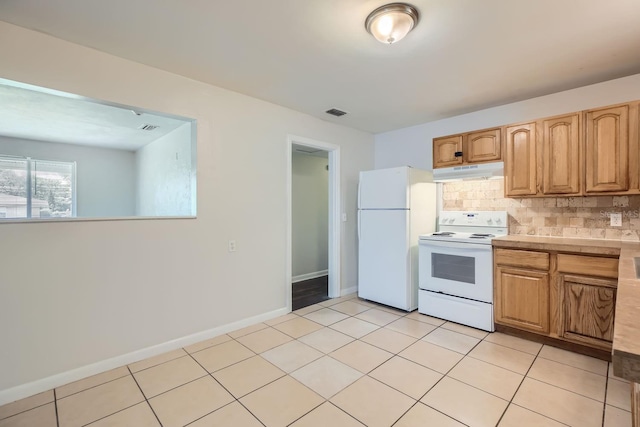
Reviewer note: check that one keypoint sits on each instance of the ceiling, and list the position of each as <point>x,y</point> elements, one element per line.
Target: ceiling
<point>33,113</point>
<point>313,55</point>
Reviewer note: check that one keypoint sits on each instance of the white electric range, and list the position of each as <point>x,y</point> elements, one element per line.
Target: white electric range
<point>455,267</point>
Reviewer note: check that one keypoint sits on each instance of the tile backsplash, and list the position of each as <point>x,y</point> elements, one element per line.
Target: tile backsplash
<point>585,217</point>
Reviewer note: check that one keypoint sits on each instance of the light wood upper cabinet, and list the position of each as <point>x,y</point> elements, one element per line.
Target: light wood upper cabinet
<point>445,149</point>
<point>484,146</point>
<point>560,155</point>
<point>607,149</point>
<point>481,146</point>
<point>579,154</point>
<point>520,160</point>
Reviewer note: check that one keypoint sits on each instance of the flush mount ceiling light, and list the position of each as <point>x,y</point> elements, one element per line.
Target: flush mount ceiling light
<point>391,22</point>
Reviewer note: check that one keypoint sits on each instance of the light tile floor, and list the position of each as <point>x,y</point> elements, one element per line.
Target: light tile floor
<point>343,362</point>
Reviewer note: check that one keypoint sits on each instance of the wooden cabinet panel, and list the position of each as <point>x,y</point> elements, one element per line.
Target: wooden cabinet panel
<point>560,154</point>
<point>519,258</point>
<point>588,265</point>
<point>444,150</point>
<point>522,298</point>
<point>588,309</point>
<point>483,146</point>
<point>607,149</point>
<point>520,160</point>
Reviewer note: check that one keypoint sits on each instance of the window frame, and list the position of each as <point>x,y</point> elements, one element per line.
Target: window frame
<point>29,186</point>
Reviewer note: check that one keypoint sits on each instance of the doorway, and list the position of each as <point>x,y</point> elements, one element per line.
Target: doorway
<point>313,222</point>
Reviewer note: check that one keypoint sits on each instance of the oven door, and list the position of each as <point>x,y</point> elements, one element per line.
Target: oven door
<point>455,268</point>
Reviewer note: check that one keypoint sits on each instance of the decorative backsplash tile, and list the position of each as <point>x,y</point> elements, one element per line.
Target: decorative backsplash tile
<point>586,217</point>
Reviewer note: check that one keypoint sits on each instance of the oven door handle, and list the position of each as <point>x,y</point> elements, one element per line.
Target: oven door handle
<point>454,245</point>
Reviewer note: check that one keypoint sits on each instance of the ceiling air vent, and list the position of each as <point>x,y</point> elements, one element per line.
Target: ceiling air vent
<point>336,112</point>
<point>148,127</point>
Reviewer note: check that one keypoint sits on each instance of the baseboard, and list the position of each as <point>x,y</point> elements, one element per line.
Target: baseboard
<point>300,278</point>
<point>347,291</point>
<point>48,383</point>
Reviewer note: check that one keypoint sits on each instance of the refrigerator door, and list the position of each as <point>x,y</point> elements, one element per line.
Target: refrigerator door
<point>384,189</point>
<point>384,258</point>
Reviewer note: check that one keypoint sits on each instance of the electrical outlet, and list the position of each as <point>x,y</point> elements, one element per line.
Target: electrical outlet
<point>616,219</point>
<point>232,245</point>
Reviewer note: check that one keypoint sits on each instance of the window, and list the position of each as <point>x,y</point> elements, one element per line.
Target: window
<point>31,188</point>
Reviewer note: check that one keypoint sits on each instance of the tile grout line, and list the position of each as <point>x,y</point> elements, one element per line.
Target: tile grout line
<point>210,374</point>
<point>26,410</point>
<point>235,399</point>
<point>520,385</point>
<point>55,403</point>
<point>93,386</point>
<point>447,373</point>
<point>576,367</point>
<point>145,396</point>
<point>437,382</point>
<point>606,387</point>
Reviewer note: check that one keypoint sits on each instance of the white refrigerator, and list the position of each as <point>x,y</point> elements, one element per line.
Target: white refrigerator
<point>395,206</point>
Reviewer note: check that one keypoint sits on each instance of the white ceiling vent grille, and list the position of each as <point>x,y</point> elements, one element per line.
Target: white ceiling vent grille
<point>148,127</point>
<point>336,112</point>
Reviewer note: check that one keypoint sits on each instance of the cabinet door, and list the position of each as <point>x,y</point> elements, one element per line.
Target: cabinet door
<point>445,149</point>
<point>560,154</point>
<point>607,149</point>
<point>522,298</point>
<point>483,146</point>
<point>588,308</point>
<point>520,160</point>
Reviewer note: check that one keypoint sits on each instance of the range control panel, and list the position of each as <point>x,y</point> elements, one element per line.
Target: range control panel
<point>473,218</point>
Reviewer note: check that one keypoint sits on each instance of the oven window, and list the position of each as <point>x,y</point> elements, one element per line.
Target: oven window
<point>453,267</point>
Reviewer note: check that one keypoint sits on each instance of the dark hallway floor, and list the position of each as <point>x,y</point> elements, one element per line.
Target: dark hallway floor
<point>309,292</point>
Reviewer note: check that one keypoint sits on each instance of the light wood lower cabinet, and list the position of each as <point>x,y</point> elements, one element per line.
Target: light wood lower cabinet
<point>522,298</point>
<point>564,296</point>
<point>587,309</point>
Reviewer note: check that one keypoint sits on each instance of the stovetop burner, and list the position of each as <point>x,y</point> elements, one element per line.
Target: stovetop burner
<point>481,235</point>
<point>475,228</point>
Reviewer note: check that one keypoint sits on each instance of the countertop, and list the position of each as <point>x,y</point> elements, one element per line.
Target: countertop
<point>626,339</point>
<point>563,244</point>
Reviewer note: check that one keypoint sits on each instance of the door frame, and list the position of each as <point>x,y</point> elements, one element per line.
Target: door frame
<point>334,213</point>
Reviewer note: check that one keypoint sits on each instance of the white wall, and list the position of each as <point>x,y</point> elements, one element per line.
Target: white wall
<point>413,145</point>
<point>310,214</point>
<point>164,175</point>
<point>105,179</point>
<point>108,288</point>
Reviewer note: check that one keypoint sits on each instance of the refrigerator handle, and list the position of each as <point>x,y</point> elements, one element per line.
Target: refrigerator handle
<point>358,224</point>
<point>359,189</point>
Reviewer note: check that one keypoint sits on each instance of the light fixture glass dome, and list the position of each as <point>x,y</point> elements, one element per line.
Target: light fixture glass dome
<point>391,22</point>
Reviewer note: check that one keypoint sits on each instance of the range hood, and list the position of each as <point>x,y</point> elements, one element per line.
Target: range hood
<point>467,172</point>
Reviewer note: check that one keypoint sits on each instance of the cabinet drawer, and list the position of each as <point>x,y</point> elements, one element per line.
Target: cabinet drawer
<point>588,265</point>
<point>526,259</point>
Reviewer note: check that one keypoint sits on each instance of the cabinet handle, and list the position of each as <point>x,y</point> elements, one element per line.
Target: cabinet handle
<point>458,154</point>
